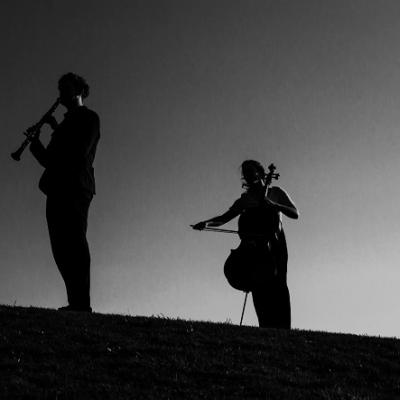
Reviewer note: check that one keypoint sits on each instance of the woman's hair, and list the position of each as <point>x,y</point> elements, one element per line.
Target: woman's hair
<point>78,82</point>
<point>248,166</point>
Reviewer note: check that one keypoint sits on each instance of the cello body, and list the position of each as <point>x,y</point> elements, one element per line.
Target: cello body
<point>248,266</point>
<point>256,260</point>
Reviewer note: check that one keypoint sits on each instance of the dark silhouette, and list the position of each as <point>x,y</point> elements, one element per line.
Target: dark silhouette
<point>69,184</point>
<point>259,264</point>
<point>32,132</point>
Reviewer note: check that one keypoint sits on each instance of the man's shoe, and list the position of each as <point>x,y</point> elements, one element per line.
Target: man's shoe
<point>84,309</point>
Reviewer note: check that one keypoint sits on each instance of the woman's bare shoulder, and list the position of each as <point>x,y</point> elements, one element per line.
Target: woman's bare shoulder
<point>274,190</point>
<point>277,193</point>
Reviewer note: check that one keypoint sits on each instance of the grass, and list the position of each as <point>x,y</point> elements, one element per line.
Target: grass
<point>46,354</point>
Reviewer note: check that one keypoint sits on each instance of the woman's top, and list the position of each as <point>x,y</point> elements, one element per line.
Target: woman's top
<point>260,225</point>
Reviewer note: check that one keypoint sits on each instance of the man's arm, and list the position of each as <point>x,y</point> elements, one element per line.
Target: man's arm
<point>36,147</point>
<point>87,137</point>
<point>75,144</point>
<point>39,152</point>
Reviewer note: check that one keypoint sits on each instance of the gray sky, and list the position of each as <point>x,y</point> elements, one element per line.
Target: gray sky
<point>187,90</point>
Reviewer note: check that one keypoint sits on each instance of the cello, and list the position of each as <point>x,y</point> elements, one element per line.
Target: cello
<point>253,261</point>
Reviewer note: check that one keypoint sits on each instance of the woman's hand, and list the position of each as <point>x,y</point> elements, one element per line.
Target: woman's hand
<point>199,226</point>
<point>269,203</point>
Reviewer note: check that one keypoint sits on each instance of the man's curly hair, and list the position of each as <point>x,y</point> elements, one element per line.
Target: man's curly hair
<point>79,82</point>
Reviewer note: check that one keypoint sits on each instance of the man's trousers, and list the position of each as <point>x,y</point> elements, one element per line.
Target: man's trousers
<point>67,218</point>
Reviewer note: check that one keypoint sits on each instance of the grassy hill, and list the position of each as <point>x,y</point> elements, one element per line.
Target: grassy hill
<point>48,354</point>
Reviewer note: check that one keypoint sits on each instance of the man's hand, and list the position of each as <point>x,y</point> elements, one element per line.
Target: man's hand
<point>32,133</point>
<point>50,120</point>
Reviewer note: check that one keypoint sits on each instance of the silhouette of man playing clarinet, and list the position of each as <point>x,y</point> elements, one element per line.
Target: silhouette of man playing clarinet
<point>69,184</point>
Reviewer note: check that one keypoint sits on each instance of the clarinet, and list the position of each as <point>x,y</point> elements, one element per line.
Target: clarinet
<point>33,131</point>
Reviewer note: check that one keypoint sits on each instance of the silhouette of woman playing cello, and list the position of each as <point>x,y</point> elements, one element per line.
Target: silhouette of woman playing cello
<point>259,264</point>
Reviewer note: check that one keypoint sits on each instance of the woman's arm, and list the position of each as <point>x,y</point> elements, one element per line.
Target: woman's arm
<point>218,220</point>
<point>281,201</point>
